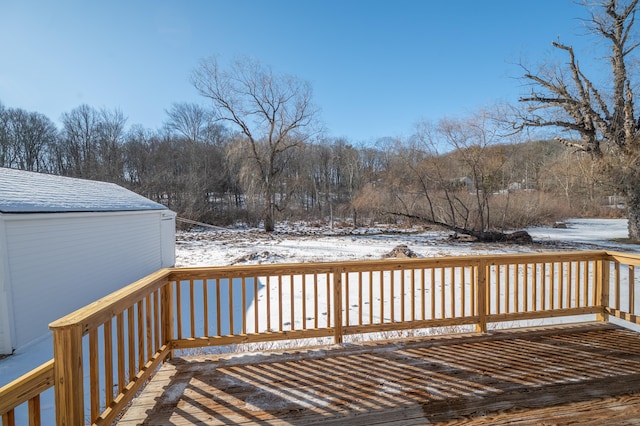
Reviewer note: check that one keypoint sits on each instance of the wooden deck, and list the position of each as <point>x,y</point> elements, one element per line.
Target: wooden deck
<point>573,374</point>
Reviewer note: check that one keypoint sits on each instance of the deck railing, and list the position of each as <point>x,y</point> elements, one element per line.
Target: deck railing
<point>112,347</point>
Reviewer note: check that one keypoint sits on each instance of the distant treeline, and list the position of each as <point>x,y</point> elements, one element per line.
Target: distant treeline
<point>200,169</point>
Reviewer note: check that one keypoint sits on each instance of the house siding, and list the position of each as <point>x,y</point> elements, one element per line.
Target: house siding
<point>59,262</point>
<point>6,311</point>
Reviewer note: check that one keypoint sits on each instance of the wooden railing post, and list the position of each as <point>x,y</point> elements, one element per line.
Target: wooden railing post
<point>481,297</point>
<point>68,373</point>
<point>166,295</point>
<point>337,305</point>
<point>603,288</point>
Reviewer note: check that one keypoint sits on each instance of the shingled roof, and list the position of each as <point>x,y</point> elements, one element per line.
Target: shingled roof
<point>30,192</point>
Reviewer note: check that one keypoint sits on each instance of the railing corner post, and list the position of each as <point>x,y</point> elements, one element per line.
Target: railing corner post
<point>166,304</point>
<point>68,374</point>
<point>481,294</point>
<point>603,289</point>
<point>337,305</point>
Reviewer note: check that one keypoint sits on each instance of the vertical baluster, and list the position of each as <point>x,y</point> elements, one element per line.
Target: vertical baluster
<point>33,406</point>
<point>433,293</point>
<point>534,286</point>
<point>552,281</point>
<point>280,320</point>
<point>392,301</point>
<point>370,297</point>
<point>543,281</point>
<point>218,309</point>
<point>131,342</point>
<point>337,300</point>
<point>585,283</point>
<point>346,298</point>
<point>568,283</point>
<point>413,294</point>
<point>381,275</point>
<point>423,291</point>
<point>192,312</point>
<point>463,294</point>
<point>497,287</point>
<point>473,283</point>
<point>360,307</point>
<point>205,306</point>
<point>616,285</point>
<point>526,288</point>
<point>632,292</point>
<point>442,293</point>
<point>402,295</point>
<point>256,304</point>
<point>179,308</point>
<point>141,335</point>
<point>292,302</point>
<point>94,374</point>
<point>9,418</point>
<point>516,288</point>
<point>316,314</point>
<point>231,316</point>
<point>108,362</point>
<point>329,295</point>
<point>148,325</point>
<point>577,284</point>
<point>157,319</point>
<point>120,347</point>
<point>244,310</point>
<point>268,300</point>
<point>304,301</point>
<point>452,291</point>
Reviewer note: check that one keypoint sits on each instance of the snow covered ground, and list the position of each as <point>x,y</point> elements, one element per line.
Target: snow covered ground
<point>293,244</point>
<point>296,243</point>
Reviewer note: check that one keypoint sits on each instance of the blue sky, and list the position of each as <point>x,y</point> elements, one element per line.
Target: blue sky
<point>376,67</point>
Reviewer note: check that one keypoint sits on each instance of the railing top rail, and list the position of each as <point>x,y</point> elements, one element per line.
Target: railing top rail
<point>355,265</point>
<point>628,258</point>
<point>103,309</point>
<point>26,387</point>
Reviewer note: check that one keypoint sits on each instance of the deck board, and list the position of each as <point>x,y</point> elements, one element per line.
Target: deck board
<point>571,374</point>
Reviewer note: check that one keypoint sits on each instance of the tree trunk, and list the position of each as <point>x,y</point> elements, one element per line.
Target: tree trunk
<point>269,211</point>
<point>633,213</point>
<point>269,225</point>
<point>518,237</point>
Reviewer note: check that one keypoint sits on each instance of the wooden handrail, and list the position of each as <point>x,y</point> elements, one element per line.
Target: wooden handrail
<point>27,388</point>
<point>133,330</point>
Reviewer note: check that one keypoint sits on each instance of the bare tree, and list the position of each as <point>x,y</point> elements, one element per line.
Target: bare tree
<point>6,143</point>
<point>110,155</point>
<point>604,121</point>
<point>189,120</point>
<point>271,111</point>
<point>32,134</point>
<point>80,130</point>
<point>448,175</point>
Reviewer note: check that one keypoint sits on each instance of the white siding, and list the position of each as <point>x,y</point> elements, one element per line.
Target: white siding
<point>5,308</point>
<point>61,262</point>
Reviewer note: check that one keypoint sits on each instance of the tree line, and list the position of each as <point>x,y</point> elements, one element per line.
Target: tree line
<point>449,172</point>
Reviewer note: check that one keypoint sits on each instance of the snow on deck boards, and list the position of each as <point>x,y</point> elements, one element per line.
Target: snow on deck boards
<point>583,374</point>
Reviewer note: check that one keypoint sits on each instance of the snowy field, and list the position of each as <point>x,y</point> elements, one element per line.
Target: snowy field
<point>296,244</point>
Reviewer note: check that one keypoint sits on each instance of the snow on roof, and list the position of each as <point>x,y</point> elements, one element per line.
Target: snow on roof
<point>29,192</point>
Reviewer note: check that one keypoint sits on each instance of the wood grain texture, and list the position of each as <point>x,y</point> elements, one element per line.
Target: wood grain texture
<point>571,374</point>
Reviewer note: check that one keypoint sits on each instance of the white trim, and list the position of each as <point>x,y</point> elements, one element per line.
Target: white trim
<point>70,215</point>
